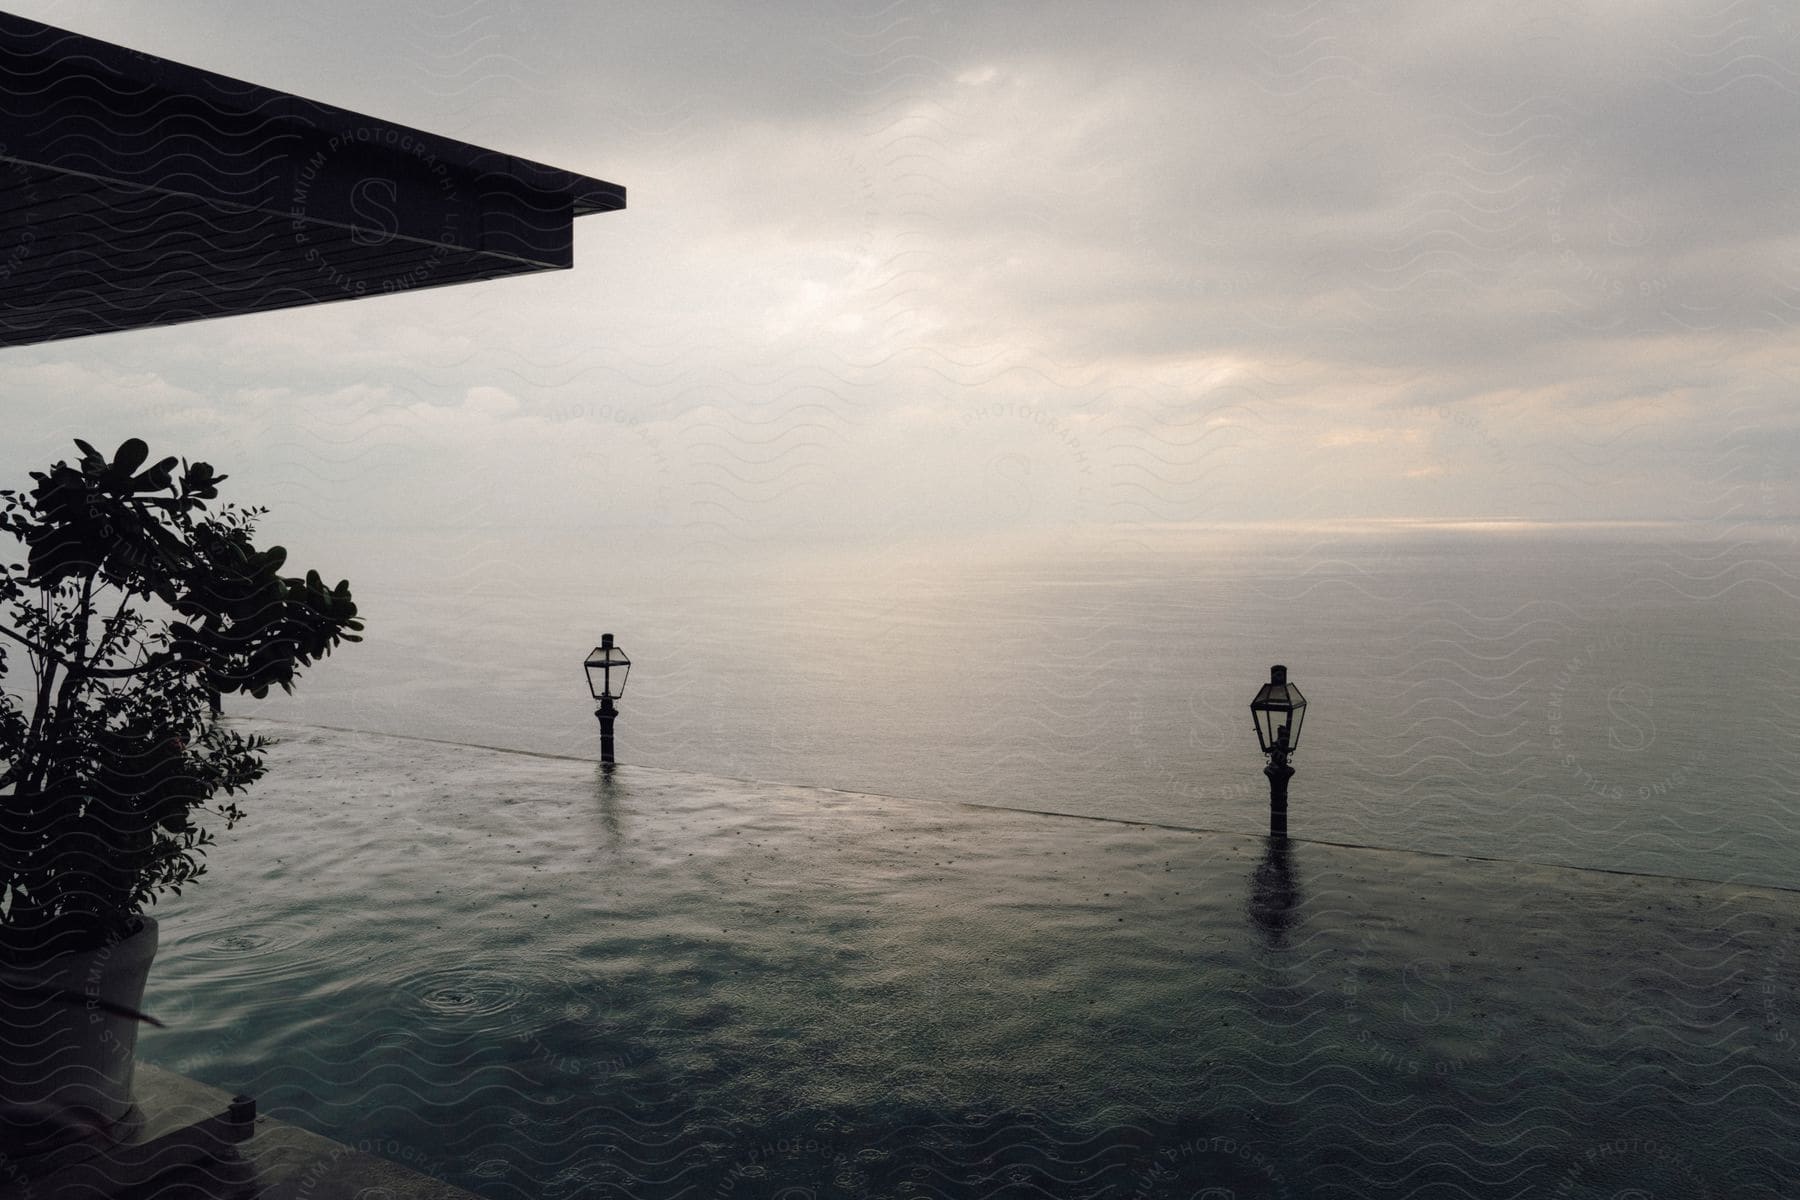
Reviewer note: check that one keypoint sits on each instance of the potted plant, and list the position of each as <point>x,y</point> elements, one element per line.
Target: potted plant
<point>137,605</point>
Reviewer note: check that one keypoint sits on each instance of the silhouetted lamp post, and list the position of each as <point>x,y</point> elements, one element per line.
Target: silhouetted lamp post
<point>606,668</point>
<point>1278,710</point>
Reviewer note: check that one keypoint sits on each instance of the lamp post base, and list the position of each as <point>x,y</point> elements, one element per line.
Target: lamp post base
<point>1279,773</point>
<point>606,712</point>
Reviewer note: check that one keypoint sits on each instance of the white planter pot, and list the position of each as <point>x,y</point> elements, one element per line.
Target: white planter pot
<point>66,1065</point>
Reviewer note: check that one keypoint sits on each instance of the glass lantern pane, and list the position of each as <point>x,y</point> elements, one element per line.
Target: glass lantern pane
<point>606,668</point>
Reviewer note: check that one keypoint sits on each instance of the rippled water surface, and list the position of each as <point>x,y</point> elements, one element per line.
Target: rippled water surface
<point>1621,698</point>
<point>533,979</point>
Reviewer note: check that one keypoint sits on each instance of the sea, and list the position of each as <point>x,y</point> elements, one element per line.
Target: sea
<point>1619,696</point>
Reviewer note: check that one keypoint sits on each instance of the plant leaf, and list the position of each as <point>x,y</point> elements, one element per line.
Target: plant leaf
<point>130,456</point>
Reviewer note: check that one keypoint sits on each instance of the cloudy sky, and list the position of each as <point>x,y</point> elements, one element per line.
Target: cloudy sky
<point>905,269</point>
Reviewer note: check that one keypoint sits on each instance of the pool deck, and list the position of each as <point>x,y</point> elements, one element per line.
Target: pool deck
<point>190,1148</point>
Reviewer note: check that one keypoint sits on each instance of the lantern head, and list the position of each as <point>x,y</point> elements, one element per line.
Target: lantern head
<point>1277,711</point>
<point>606,668</point>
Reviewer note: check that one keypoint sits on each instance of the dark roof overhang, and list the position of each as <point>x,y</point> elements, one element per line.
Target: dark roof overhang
<point>135,192</point>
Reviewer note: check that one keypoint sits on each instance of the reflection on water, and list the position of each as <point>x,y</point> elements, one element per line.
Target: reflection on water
<point>607,789</point>
<point>1274,892</point>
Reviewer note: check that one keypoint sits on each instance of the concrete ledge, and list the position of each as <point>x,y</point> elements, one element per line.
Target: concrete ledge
<point>286,1162</point>
<point>190,1149</point>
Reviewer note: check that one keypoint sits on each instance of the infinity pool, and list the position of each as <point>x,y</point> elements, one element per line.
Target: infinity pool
<point>532,979</point>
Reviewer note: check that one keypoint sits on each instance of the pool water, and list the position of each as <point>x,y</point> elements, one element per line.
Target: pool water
<point>531,978</point>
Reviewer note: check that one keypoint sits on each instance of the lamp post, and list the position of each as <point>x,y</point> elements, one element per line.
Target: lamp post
<point>607,668</point>
<point>1277,711</point>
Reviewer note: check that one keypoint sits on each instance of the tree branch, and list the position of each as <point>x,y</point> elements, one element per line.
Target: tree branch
<point>153,663</point>
<point>25,770</point>
<point>110,628</point>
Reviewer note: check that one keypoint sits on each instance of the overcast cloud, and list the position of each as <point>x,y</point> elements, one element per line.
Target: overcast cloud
<point>908,269</point>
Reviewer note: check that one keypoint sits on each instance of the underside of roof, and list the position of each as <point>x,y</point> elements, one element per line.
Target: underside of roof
<point>138,192</point>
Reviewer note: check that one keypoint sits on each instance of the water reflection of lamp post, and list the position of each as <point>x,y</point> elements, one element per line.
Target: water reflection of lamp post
<point>607,668</point>
<point>1274,893</point>
<point>1277,711</point>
